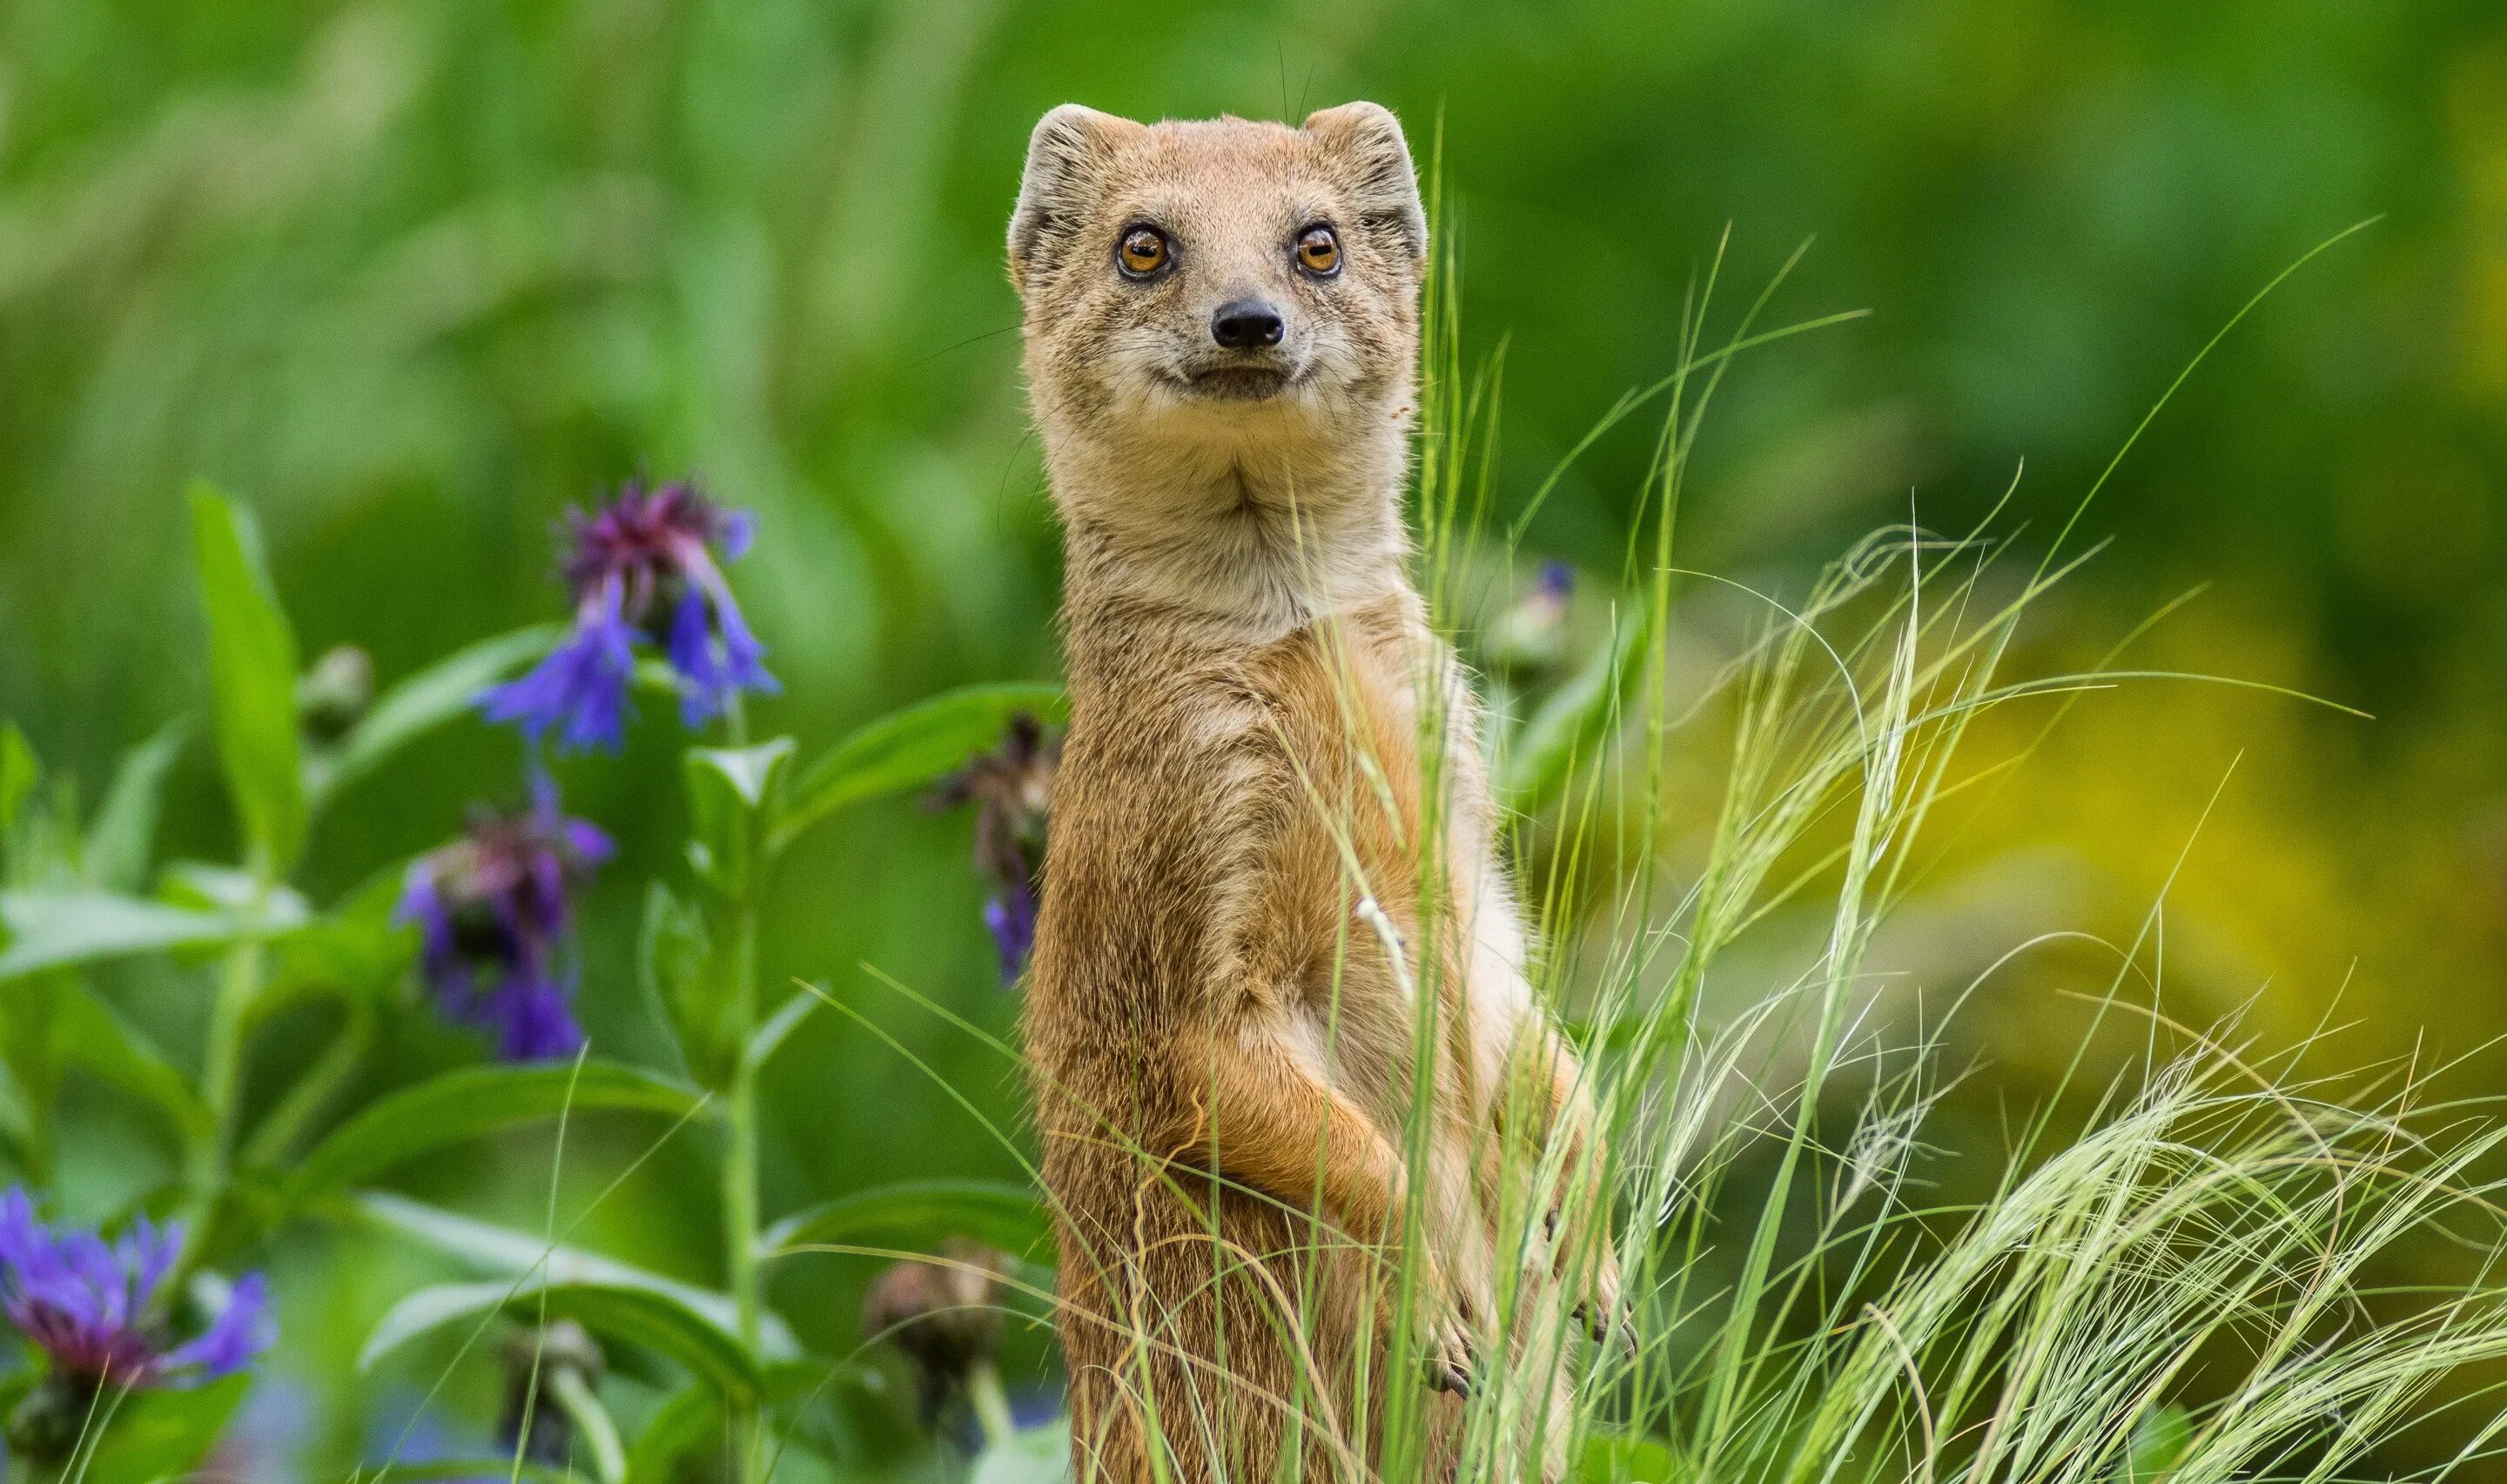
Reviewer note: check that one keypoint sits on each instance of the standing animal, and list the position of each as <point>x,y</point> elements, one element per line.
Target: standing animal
<point>1279,1024</point>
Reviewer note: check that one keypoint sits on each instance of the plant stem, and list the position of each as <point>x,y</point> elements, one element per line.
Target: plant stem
<point>222,1090</point>
<point>740,1178</point>
<point>991,1404</point>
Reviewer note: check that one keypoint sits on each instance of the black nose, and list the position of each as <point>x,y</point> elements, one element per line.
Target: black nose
<point>1246,324</point>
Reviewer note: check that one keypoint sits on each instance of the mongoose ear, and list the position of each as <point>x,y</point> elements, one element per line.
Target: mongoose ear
<point>1369,138</point>
<point>1064,157</point>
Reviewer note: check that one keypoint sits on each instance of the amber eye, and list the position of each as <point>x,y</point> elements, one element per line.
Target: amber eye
<point>1144,251</point>
<point>1319,251</point>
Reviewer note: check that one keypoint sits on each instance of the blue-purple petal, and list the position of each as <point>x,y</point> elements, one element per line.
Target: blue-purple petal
<point>233,1339</point>
<point>580,689</point>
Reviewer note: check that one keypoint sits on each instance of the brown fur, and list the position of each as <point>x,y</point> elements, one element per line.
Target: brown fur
<point>1272,768</point>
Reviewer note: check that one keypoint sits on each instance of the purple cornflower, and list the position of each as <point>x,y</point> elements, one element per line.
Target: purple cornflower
<point>92,1307</point>
<point>491,912</point>
<point>1013,789</point>
<point>641,569</point>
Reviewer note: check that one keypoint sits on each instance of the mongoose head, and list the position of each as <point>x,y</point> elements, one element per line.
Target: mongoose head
<point>1221,317</point>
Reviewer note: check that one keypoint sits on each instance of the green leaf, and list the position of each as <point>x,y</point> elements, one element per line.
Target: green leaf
<point>49,928</point>
<point>2160,1440</point>
<point>779,1026</point>
<point>512,1254</point>
<point>91,1033</point>
<point>125,826</point>
<point>690,1418</point>
<point>635,1315</point>
<point>731,792</point>
<point>1571,728</point>
<point>201,886</point>
<point>18,771</point>
<point>501,1251</point>
<point>688,985</point>
<point>423,702</point>
<point>465,1103</point>
<point>354,948</point>
<point>161,1434</point>
<point>1039,1454</point>
<point>911,749</point>
<point>1628,1458</point>
<point>916,1214</point>
<point>471,1471</point>
<point>252,672</point>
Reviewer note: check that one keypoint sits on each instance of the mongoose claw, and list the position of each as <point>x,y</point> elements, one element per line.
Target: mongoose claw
<point>1446,1376</point>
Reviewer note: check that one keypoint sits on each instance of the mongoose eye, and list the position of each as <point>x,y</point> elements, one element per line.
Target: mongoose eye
<point>1144,251</point>
<point>1319,251</point>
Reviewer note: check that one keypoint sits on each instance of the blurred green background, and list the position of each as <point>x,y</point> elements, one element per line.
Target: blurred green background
<point>411,278</point>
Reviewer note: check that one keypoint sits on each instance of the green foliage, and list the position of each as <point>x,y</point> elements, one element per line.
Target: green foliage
<point>252,677</point>
<point>732,797</point>
<point>119,843</point>
<point>463,1103</point>
<point>59,928</point>
<point>1577,722</point>
<point>422,704</point>
<point>161,1435</point>
<point>917,1216</point>
<point>911,749</point>
<point>697,1329</point>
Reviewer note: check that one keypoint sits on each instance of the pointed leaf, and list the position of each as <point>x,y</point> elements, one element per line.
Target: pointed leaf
<point>917,1213</point>
<point>691,1418</point>
<point>637,1316</point>
<point>470,1471</point>
<point>505,1252</point>
<point>18,772</point>
<point>463,1104</point>
<point>197,885</point>
<point>2160,1442</point>
<point>911,749</point>
<point>779,1026</point>
<point>1571,728</point>
<point>125,826</point>
<point>730,793</point>
<point>423,702</point>
<point>48,929</point>
<point>91,1033</point>
<point>163,1433</point>
<point>686,983</point>
<point>252,674</point>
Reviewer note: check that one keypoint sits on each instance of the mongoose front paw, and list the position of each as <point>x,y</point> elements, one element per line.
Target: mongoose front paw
<point>1445,1334</point>
<point>1452,1363</point>
<point>1605,1313</point>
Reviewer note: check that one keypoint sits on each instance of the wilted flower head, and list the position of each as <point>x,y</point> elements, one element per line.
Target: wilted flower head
<point>540,1363</point>
<point>1013,789</point>
<point>943,1314</point>
<point>1532,635</point>
<point>493,912</point>
<point>334,693</point>
<point>94,1308</point>
<point>641,569</point>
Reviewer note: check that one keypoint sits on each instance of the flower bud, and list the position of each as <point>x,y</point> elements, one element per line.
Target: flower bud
<point>943,1314</point>
<point>334,693</point>
<point>46,1426</point>
<point>538,1362</point>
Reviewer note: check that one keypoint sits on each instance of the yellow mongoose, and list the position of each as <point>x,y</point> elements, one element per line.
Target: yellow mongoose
<point>1271,833</point>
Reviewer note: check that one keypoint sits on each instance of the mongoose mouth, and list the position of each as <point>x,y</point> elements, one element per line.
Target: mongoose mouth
<point>1238,383</point>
